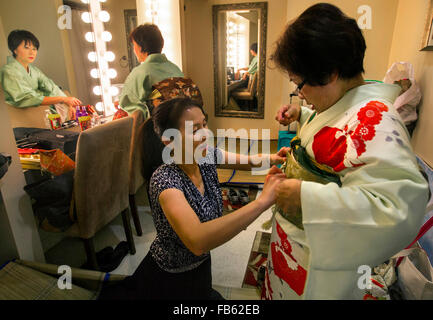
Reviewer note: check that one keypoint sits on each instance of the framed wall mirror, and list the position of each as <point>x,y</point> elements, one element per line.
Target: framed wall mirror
<point>239,47</point>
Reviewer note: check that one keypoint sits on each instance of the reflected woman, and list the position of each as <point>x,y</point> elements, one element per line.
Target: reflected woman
<point>25,85</point>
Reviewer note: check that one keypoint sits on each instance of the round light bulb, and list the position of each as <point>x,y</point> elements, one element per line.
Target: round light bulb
<point>90,37</point>
<point>94,73</point>
<point>85,1</point>
<point>112,73</point>
<point>114,91</point>
<point>97,90</point>
<point>99,106</point>
<point>104,16</point>
<point>86,17</point>
<point>106,36</point>
<point>92,56</point>
<point>109,56</point>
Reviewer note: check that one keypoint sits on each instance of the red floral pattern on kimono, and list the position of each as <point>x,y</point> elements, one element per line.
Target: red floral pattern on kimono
<point>285,265</point>
<point>266,288</point>
<point>330,145</point>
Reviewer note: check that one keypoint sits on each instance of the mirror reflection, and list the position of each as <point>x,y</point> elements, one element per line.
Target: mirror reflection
<point>65,55</point>
<point>239,55</point>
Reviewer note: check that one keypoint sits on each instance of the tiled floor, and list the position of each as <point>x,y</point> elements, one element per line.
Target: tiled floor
<point>229,261</point>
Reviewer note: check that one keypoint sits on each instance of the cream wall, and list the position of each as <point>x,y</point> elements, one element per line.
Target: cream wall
<point>199,56</point>
<point>408,37</point>
<point>116,26</point>
<point>198,42</point>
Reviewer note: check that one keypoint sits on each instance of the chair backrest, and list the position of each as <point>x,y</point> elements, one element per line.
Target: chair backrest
<point>101,181</point>
<point>136,179</point>
<point>252,85</point>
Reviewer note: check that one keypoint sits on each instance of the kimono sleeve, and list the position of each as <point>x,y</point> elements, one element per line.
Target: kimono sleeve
<point>48,86</point>
<point>18,91</point>
<point>376,212</point>
<point>134,93</point>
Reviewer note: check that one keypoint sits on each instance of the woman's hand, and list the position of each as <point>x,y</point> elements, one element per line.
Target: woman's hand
<point>274,178</point>
<point>288,196</point>
<point>288,113</point>
<point>72,101</point>
<point>280,156</point>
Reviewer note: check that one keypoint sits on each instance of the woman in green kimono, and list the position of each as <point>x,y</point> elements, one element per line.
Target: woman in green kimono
<point>25,85</point>
<point>155,67</point>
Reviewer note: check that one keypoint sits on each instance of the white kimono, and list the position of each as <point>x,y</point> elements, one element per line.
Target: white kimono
<point>376,212</point>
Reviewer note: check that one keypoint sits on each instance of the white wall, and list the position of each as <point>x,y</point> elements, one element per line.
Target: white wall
<point>198,43</point>
<point>408,37</point>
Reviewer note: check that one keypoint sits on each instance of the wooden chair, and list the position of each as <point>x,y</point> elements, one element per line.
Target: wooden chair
<point>249,93</point>
<point>101,182</point>
<point>136,179</point>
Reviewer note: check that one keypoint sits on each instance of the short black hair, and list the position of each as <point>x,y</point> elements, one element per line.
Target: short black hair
<point>254,47</point>
<point>165,116</point>
<point>320,42</point>
<point>148,37</point>
<point>16,37</point>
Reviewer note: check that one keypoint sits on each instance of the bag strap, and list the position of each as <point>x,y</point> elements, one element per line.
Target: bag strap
<point>426,227</point>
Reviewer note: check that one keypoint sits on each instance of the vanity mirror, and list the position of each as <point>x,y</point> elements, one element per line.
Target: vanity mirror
<point>239,47</point>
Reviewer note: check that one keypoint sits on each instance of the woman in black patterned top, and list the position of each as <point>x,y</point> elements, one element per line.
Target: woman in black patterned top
<point>186,203</point>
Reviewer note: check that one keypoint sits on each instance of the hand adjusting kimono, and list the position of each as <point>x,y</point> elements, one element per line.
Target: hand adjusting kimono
<point>27,89</point>
<point>371,213</point>
<point>138,85</point>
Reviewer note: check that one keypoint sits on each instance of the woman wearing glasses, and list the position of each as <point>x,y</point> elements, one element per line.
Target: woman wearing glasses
<point>372,202</point>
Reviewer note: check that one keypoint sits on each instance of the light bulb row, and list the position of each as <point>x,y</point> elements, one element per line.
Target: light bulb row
<point>99,37</point>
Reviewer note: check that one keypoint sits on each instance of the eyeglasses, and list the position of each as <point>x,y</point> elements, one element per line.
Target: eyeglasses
<point>300,86</point>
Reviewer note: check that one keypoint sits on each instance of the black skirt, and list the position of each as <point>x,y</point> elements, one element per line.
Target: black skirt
<point>150,282</point>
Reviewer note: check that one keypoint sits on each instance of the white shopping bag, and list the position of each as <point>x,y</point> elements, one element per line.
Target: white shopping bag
<point>415,275</point>
<point>407,102</point>
<point>288,257</point>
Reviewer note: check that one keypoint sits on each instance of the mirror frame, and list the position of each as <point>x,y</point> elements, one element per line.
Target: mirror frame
<point>219,111</point>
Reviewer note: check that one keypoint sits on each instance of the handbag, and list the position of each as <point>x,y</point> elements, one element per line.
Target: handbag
<point>410,269</point>
<point>415,270</point>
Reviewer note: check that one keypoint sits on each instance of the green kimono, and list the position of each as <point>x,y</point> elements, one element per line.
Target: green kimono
<point>24,89</point>
<point>138,85</point>
<point>252,69</point>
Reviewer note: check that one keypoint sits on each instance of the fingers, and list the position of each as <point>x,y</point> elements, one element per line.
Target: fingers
<point>274,170</point>
<point>280,117</point>
<point>283,151</point>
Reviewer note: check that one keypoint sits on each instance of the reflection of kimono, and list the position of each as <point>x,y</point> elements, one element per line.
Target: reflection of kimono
<point>26,89</point>
<point>138,84</point>
<point>375,213</point>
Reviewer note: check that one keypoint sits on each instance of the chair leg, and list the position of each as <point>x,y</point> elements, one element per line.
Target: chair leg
<point>91,254</point>
<point>128,232</point>
<point>134,213</point>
